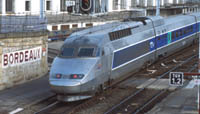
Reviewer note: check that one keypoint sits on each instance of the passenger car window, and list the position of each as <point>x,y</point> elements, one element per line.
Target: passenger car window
<point>191,28</point>
<point>181,32</point>
<point>188,29</point>
<point>67,52</point>
<point>86,52</point>
<point>173,35</point>
<point>103,52</point>
<point>177,35</point>
<point>185,31</point>
<point>158,38</point>
<point>165,36</point>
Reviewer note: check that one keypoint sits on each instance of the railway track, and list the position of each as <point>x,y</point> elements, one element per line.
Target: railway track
<point>58,108</point>
<point>125,106</point>
<point>47,107</point>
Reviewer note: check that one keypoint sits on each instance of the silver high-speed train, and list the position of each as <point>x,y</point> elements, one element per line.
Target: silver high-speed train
<point>91,59</point>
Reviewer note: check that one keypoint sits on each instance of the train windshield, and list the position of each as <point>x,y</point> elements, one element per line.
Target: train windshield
<point>67,52</point>
<point>86,52</point>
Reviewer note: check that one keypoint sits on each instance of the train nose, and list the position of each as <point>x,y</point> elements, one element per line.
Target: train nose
<point>67,75</point>
<point>65,87</point>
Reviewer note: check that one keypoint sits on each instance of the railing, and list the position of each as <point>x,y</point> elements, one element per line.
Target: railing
<point>12,24</point>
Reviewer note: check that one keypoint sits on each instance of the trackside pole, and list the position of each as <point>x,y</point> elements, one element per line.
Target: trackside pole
<point>42,15</point>
<point>198,77</point>
<point>158,8</point>
<point>198,99</point>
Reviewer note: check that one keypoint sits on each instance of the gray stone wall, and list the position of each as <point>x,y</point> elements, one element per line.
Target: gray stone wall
<point>23,57</point>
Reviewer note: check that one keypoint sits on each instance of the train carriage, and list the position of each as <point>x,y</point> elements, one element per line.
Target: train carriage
<point>91,59</point>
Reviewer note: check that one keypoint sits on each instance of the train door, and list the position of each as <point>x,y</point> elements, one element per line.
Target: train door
<point>153,47</point>
<point>106,65</point>
<point>162,39</point>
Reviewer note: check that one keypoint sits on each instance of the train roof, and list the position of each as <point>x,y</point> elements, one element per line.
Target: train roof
<point>182,18</point>
<point>99,34</point>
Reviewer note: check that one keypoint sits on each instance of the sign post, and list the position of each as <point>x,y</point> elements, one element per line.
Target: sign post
<point>197,81</point>
<point>198,94</point>
<point>42,13</point>
<point>176,78</point>
<point>198,78</point>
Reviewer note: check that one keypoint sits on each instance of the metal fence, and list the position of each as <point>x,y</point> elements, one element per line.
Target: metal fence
<point>100,17</point>
<point>10,24</point>
<point>32,22</point>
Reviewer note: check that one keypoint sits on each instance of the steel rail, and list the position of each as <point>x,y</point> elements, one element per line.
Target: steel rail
<point>162,92</point>
<point>47,107</point>
<point>150,101</point>
<point>140,90</point>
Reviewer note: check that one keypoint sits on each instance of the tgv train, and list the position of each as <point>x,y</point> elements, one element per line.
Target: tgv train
<point>93,58</point>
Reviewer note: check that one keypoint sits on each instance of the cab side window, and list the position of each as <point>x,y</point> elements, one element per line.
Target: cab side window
<point>103,52</point>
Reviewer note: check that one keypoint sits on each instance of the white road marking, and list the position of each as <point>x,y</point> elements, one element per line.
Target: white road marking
<point>16,111</point>
<point>190,85</point>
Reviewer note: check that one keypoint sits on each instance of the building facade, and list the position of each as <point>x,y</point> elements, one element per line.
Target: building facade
<point>59,6</point>
<point>27,6</point>
<point>78,6</point>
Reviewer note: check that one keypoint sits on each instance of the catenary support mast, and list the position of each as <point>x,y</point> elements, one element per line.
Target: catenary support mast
<point>158,8</point>
<point>42,13</point>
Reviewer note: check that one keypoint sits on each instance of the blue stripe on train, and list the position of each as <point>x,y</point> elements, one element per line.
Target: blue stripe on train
<point>130,53</point>
<point>126,55</point>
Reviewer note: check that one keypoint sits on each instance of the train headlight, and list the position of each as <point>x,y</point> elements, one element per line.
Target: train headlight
<point>58,76</point>
<point>76,76</point>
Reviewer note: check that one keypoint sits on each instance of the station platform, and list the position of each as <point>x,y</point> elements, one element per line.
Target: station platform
<point>22,96</point>
<point>182,101</point>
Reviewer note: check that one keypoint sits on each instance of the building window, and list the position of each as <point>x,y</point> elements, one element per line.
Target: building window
<point>27,6</point>
<point>63,5</point>
<point>115,4</point>
<point>48,5</point>
<point>54,28</point>
<point>65,27</point>
<point>74,26</point>
<point>9,5</point>
<point>123,4</point>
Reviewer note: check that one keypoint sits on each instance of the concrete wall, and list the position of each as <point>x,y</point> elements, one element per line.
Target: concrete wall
<point>23,57</point>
